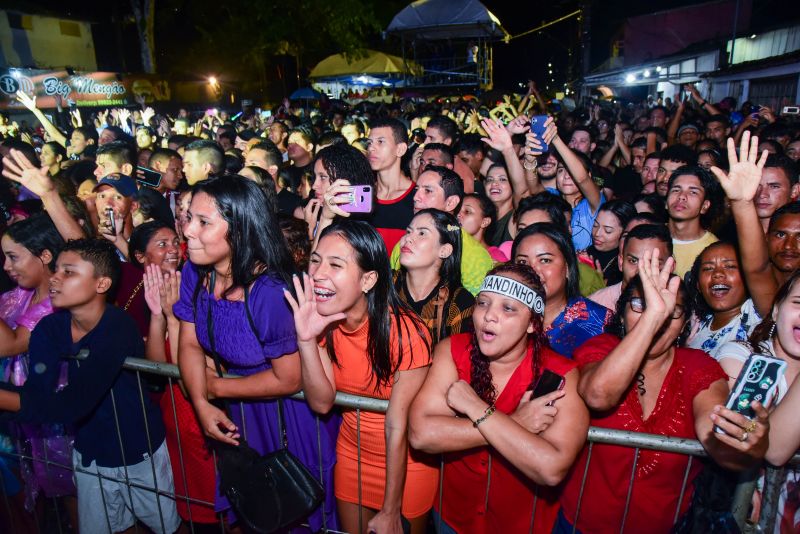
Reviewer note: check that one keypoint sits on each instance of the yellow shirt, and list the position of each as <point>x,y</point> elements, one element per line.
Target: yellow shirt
<point>685,252</point>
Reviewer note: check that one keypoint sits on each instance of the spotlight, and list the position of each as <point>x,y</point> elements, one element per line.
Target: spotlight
<point>630,78</point>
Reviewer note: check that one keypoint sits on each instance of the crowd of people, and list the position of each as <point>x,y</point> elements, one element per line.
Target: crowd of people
<point>445,256</point>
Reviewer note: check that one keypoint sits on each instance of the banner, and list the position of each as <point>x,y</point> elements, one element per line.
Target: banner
<point>80,89</point>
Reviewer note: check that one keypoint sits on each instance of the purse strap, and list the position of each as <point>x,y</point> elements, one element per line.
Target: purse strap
<point>439,303</point>
<point>215,356</point>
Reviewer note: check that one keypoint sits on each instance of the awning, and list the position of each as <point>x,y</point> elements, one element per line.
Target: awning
<point>447,19</point>
<point>375,64</point>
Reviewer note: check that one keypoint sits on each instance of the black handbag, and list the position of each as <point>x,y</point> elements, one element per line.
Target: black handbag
<point>271,492</point>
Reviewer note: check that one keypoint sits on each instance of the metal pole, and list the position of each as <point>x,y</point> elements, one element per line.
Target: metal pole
<point>735,31</point>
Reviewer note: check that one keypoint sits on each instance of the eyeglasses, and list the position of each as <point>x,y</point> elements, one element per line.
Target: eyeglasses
<point>638,305</point>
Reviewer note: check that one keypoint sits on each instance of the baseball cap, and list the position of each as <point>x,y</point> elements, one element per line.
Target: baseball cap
<point>123,183</point>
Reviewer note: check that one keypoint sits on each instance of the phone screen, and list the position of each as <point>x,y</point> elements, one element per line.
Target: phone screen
<point>547,383</point>
<point>148,177</point>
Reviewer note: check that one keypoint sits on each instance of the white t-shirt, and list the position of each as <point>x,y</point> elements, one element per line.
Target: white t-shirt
<point>739,329</point>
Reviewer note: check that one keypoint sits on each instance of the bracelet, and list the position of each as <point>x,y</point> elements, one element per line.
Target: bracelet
<point>528,166</point>
<point>489,411</point>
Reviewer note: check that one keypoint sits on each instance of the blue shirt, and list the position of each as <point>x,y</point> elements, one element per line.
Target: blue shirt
<point>580,320</point>
<point>95,384</point>
<point>582,222</point>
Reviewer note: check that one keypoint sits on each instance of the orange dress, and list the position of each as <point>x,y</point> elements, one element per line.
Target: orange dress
<point>353,374</point>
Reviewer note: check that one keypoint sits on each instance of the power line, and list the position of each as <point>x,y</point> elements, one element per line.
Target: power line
<point>545,25</point>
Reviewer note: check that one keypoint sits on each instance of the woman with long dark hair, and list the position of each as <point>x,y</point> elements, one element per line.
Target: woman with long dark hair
<point>776,337</point>
<point>337,168</point>
<point>155,248</point>
<point>638,378</point>
<point>500,434</point>
<point>429,278</point>
<point>569,318</point>
<point>30,247</point>
<point>232,289</point>
<point>356,335</point>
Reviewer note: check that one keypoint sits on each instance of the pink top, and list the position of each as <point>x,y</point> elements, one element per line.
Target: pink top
<point>17,311</point>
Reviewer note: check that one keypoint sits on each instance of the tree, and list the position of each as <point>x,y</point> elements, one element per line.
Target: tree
<point>242,40</point>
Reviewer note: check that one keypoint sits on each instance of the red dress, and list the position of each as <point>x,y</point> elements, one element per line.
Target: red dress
<point>508,508</point>
<point>198,462</point>
<point>659,475</point>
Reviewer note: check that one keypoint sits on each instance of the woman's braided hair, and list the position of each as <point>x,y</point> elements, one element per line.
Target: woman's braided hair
<point>481,377</point>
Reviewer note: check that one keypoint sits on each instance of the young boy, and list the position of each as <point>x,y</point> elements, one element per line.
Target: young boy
<point>102,399</point>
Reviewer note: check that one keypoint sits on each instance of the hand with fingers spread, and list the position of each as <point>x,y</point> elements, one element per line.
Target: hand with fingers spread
<point>147,115</point>
<point>123,115</point>
<point>28,101</point>
<point>659,287</point>
<point>499,138</point>
<point>741,181</point>
<point>750,436</point>
<point>310,324</point>
<point>536,415</point>
<point>75,115</point>
<point>16,167</point>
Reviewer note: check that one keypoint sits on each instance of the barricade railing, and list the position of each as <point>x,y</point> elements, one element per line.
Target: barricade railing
<point>596,436</point>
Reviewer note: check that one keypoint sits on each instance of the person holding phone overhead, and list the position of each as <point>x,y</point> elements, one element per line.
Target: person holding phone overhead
<point>640,379</point>
<point>500,434</point>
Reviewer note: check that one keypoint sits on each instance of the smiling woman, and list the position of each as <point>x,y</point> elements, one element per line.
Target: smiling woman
<point>724,308</point>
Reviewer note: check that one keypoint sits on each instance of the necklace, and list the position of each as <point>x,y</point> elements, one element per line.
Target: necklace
<point>640,384</point>
<point>133,295</point>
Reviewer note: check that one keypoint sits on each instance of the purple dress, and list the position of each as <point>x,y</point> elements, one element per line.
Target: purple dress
<point>43,443</point>
<point>245,354</point>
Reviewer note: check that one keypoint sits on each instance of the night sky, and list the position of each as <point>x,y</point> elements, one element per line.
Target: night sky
<point>522,59</point>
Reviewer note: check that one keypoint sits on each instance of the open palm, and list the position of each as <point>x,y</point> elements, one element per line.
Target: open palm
<point>16,167</point>
<point>741,181</point>
<point>308,322</point>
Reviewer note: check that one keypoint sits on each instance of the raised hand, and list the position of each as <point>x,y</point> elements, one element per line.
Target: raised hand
<point>660,288</point>
<point>28,101</point>
<point>123,115</point>
<point>308,322</point>
<point>75,115</point>
<point>741,181</point>
<point>153,284</point>
<point>16,167</point>
<point>519,125</point>
<point>499,138</point>
<point>170,292</point>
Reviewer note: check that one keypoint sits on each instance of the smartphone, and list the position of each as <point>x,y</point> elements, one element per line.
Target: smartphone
<point>148,177</point>
<point>548,382</point>
<point>758,381</point>
<point>112,224</point>
<point>537,129</point>
<point>791,110</point>
<point>360,200</point>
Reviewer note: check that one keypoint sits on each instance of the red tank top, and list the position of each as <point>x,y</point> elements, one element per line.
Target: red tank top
<point>475,500</point>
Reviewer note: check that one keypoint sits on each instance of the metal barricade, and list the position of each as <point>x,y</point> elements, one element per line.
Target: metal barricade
<point>637,441</point>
